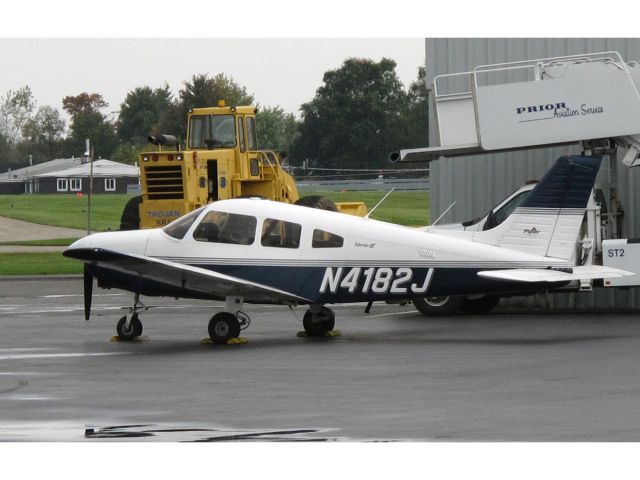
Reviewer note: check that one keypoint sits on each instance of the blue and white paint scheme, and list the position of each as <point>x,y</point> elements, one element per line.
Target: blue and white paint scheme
<point>259,251</point>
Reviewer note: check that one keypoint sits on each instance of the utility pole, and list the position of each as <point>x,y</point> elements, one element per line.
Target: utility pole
<point>89,155</point>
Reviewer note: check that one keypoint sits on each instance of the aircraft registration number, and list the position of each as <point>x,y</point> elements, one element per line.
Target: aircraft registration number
<point>379,280</point>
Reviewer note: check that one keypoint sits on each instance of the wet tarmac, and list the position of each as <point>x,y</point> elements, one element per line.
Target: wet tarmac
<point>392,375</point>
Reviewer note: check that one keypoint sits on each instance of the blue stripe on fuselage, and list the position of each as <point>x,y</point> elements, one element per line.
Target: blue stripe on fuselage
<point>307,282</point>
<point>341,284</point>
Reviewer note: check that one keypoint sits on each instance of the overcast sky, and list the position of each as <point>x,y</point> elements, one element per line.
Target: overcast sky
<point>284,72</point>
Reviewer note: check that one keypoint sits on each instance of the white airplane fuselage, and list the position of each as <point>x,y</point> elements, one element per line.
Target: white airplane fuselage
<point>375,261</point>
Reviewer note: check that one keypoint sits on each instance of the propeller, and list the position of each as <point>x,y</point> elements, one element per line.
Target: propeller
<point>88,291</point>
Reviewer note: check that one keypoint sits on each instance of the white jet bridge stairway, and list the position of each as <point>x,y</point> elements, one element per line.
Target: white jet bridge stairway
<point>585,99</point>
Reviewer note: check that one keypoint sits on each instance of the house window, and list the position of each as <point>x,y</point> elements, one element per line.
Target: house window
<point>62,185</point>
<point>109,184</point>
<point>75,184</point>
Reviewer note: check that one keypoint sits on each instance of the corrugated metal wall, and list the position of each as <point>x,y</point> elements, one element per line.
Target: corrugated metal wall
<point>478,183</point>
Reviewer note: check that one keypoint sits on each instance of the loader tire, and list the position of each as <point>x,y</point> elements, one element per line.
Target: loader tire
<point>130,219</point>
<point>316,201</point>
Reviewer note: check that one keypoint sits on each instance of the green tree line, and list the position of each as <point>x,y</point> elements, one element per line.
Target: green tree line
<point>358,115</point>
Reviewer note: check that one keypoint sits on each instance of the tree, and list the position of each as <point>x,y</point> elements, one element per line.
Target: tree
<point>355,117</point>
<point>43,134</point>
<point>276,129</point>
<point>16,109</point>
<point>417,116</point>
<point>88,122</point>
<point>141,113</point>
<point>83,103</point>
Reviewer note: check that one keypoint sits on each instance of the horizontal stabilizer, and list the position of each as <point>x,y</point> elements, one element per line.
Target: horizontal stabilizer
<point>539,275</point>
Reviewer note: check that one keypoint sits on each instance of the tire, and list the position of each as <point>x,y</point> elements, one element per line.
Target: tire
<point>128,334</point>
<point>439,306</point>
<point>223,327</point>
<point>480,305</point>
<point>316,201</point>
<point>137,325</point>
<point>321,325</point>
<point>130,219</point>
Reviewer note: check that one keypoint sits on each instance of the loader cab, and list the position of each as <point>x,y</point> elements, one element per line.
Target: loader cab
<point>211,132</point>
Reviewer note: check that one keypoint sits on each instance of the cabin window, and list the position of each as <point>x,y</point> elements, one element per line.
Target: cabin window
<point>178,228</point>
<point>241,135</point>
<point>109,184</point>
<point>198,131</point>
<point>223,227</point>
<point>62,185</point>
<point>75,184</point>
<point>212,131</point>
<point>324,239</point>
<point>251,133</point>
<point>280,234</point>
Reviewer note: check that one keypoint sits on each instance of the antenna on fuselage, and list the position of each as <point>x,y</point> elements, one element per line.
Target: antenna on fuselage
<point>444,213</point>
<point>379,203</point>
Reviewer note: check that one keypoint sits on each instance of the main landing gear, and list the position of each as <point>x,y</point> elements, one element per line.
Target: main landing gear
<point>225,326</point>
<point>130,327</point>
<point>318,320</point>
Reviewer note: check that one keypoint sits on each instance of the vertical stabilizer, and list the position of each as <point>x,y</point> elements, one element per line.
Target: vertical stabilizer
<point>548,221</point>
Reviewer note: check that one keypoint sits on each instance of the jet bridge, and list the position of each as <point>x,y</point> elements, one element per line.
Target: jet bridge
<point>578,99</point>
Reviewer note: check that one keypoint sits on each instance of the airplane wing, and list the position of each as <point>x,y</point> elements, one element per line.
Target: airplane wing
<point>538,275</point>
<point>187,277</point>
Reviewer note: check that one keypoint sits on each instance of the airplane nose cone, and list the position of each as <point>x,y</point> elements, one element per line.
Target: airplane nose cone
<point>132,242</point>
<point>80,243</point>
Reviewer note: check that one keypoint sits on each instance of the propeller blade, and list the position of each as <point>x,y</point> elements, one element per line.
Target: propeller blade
<point>88,291</point>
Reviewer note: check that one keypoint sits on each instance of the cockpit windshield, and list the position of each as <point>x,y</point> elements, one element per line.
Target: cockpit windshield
<point>178,228</point>
<point>212,131</point>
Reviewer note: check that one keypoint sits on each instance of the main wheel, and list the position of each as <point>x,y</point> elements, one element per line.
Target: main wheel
<point>223,327</point>
<point>439,306</point>
<point>132,331</point>
<point>480,305</point>
<point>316,201</point>
<point>316,324</point>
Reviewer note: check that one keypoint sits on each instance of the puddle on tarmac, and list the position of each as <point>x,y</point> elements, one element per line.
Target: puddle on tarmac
<point>72,432</point>
<point>195,434</point>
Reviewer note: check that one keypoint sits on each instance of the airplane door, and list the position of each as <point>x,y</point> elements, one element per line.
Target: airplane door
<point>212,175</point>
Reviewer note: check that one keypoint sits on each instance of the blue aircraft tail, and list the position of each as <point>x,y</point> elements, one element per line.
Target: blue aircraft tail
<point>548,222</point>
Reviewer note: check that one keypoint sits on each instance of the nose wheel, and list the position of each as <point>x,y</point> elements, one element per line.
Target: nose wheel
<point>129,330</point>
<point>318,320</point>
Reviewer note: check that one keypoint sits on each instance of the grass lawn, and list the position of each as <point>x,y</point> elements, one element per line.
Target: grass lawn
<point>65,210</point>
<point>38,264</point>
<point>54,242</point>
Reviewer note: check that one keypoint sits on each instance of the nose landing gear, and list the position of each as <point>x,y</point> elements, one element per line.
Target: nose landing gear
<point>129,328</point>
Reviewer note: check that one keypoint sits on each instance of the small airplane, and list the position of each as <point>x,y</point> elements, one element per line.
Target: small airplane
<point>252,250</point>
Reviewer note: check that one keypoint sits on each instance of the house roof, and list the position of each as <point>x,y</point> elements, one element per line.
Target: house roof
<point>101,168</point>
<point>21,174</point>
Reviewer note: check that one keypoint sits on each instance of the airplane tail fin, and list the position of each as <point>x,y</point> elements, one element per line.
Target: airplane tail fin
<point>548,222</point>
